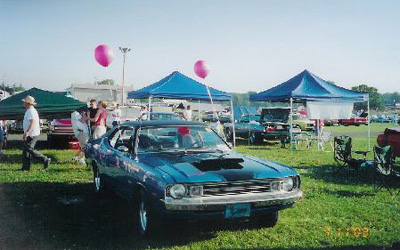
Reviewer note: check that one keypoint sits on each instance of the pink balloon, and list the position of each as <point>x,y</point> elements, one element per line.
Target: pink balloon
<point>103,55</point>
<point>201,69</point>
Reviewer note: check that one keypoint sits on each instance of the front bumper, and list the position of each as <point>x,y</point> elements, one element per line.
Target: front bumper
<point>259,200</point>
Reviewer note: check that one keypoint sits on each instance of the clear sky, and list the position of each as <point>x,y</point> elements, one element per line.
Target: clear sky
<point>249,45</point>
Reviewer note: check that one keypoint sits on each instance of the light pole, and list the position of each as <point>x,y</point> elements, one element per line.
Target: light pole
<point>124,51</point>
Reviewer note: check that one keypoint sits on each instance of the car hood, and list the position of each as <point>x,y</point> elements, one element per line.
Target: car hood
<point>213,167</point>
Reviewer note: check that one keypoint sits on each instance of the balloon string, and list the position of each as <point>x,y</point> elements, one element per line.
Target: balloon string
<point>212,103</point>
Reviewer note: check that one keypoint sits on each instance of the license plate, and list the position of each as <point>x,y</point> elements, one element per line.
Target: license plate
<point>237,211</point>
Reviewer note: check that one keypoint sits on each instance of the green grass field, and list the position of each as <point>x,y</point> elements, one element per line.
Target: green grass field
<point>56,209</point>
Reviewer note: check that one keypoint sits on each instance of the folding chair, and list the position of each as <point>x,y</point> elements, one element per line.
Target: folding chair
<point>343,153</point>
<point>388,173</point>
<point>325,137</point>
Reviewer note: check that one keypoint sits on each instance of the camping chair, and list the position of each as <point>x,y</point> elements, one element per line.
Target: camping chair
<point>343,153</point>
<point>386,168</point>
<point>325,137</point>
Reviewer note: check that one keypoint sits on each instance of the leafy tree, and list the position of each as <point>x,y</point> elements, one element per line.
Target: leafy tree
<point>11,88</point>
<point>391,98</point>
<point>375,98</point>
<point>19,88</point>
<point>106,82</point>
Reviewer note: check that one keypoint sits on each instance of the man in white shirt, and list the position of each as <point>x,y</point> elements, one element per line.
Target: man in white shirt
<point>188,113</point>
<point>31,125</point>
<point>116,114</point>
<point>81,131</point>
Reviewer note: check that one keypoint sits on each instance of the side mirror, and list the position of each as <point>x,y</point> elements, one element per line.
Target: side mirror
<point>123,149</point>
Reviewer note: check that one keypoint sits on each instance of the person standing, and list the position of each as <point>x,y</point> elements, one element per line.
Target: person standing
<point>116,114</point>
<point>188,113</point>
<point>99,127</point>
<point>143,113</point>
<point>92,111</point>
<point>81,131</point>
<point>31,125</point>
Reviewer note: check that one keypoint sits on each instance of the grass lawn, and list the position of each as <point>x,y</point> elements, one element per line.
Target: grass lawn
<point>56,209</point>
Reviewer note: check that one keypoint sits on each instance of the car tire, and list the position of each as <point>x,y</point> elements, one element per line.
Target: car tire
<point>255,138</point>
<point>50,141</point>
<point>145,220</point>
<point>269,220</point>
<point>98,183</point>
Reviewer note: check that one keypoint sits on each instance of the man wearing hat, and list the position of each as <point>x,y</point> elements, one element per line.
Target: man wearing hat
<point>31,127</point>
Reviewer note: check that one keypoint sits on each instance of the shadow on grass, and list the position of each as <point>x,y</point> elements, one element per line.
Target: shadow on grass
<point>40,145</point>
<point>350,194</point>
<point>42,215</point>
<point>346,176</point>
<point>17,158</point>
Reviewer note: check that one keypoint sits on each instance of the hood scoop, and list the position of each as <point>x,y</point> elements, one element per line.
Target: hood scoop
<point>218,164</point>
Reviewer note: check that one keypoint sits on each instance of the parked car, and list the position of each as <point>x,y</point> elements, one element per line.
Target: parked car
<point>276,122</point>
<point>391,136</point>
<point>303,123</point>
<point>355,120</point>
<point>15,127</point>
<point>247,127</point>
<point>61,132</point>
<point>209,118</point>
<point>382,119</point>
<point>181,170</point>
<point>163,116</point>
<point>331,122</point>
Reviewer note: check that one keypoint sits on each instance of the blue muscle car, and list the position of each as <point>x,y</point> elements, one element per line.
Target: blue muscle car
<point>183,170</point>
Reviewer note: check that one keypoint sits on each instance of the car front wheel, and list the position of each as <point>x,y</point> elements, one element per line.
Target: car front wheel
<point>97,181</point>
<point>145,218</point>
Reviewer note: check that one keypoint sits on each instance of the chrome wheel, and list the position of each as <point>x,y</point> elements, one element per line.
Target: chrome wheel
<point>252,138</point>
<point>143,216</point>
<point>97,180</point>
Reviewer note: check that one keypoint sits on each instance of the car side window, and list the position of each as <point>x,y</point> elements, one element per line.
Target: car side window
<point>114,137</point>
<point>124,138</point>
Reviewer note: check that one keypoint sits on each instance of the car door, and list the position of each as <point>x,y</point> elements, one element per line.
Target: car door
<point>109,158</point>
<point>121,158</point>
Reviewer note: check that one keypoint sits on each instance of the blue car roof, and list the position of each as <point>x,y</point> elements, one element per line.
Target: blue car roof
<point>163,123</point>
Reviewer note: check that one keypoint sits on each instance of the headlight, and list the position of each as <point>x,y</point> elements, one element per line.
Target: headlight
<point>177,191</point>
<point>196,191</point>
<point>275,186</point>
<point>288,184</point>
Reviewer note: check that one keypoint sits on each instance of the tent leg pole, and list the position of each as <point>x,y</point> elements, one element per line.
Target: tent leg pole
<point>369,126</point>
<point>199,116</point>
<point>233,124</point>
<point>291,124</point>
<point>148,117</point>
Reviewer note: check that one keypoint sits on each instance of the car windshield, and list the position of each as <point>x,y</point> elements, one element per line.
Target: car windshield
<point>186,138</point>
<point>164,116</point>
<point>299,117</point>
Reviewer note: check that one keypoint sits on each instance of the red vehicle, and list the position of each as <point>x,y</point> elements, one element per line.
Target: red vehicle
<point>356,120</point>
<point>61,132</point>
<point>391,137</point>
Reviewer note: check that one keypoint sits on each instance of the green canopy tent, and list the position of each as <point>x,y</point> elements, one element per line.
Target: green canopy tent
<point>50,105</point>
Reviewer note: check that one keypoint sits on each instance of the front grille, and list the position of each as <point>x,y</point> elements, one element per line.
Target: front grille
<point>236,187</point>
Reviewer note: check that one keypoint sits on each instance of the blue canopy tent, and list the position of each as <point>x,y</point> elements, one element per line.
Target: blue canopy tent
<point>309,87</point>
<point>178,86</point>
